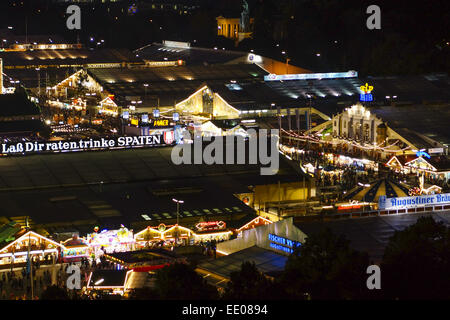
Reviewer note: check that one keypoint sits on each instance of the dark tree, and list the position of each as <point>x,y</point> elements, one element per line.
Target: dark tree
<point>143,294</point>
<point>179,281</point>
<point>325,267</point>
<point>54,293</point>
<point>251,284</point>
<point>416,262</point>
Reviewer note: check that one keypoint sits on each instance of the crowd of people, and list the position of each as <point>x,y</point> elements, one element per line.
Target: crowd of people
<point>209,248</point>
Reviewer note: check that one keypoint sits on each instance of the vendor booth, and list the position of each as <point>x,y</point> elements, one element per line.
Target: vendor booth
<point>19,242</point>
<point>75,249</point>
<point>108,241</point>
<point>163,235</point>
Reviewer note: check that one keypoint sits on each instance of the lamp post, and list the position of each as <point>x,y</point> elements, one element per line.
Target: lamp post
<point>178,214</point>
<point>39,81</point>
<point>145,90</point>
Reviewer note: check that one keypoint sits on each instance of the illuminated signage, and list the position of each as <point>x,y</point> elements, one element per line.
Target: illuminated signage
<point>161,123</point>
<point>422,153</point>
<point>164,63</point>
<point>22,148</point>
<point>103,65</point>
<point>156,113</point>
<point>176,44</point>
<point>311,76</point>
<point>283,244</point>
<point>176,116</point>
<point>366,96</point>
<point>210,225</point>
<point>436,150</point>
<point>413,202</point>
<point>254,58</point>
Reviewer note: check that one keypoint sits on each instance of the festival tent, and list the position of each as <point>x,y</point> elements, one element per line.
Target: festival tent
<point>377,188</point>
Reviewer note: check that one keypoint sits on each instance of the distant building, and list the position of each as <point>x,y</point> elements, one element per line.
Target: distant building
<point>387,131</point>
<point>237,29</point>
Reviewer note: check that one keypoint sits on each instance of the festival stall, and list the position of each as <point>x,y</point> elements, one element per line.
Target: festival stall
<point>256,222</point>
<point>437,167</point>
<point>211,230</point>
<point>19,242</point>
<point>108,241</point>
<point>75,249</point>
<point>163,235</point>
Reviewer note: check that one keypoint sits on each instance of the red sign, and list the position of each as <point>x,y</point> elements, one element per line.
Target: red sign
<point>210,225</point>
<point>169,137</point>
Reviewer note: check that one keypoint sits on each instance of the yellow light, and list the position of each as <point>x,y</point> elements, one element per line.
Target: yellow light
<point>366,88</point>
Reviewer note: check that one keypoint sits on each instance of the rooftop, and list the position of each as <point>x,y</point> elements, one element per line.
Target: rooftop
<point>66,57</point>
<point>415,121</point>
<point>370,234</point>
<point>8,232</point>
<point>191,55</point>
<point>137,189</point>
<point>17,104</point>
<point>266,261</point>
<point>107,278</point>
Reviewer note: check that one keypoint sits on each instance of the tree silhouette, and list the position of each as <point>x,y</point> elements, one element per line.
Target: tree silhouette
<point>325,267</point>
<point>416,262</point>
<point>251,284</point>
<point>179,281</point>
<point>54,293</point>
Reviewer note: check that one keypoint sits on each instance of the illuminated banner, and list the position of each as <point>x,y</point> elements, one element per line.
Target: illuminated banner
<point>164,63</point>
<point>413,202</point>
<point>436,150</point>
<point>311,76</point>
<point>158,123</point>
<point>23,148</point>
<point>210,225</point>
<point>176,44</point>
<point>283,244</point>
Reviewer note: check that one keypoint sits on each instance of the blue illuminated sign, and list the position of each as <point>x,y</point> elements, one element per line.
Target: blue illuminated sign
<point>413,202</point>
<point>283,244</point>
<point>365,97</point>
<point>156,113</point>
<point>281,248</point>
<point>423,153</point>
